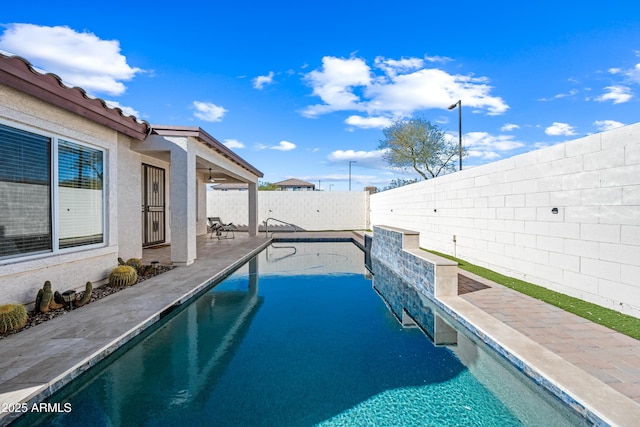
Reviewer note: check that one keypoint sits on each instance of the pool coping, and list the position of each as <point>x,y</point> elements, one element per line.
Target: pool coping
<point>588,396</point>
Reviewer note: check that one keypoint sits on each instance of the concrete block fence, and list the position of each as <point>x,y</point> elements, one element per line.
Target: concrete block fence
<point>309,210</point>
<point>566,217</point>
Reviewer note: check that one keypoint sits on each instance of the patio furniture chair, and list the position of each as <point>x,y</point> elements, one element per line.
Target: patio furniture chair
<point>220,229</point>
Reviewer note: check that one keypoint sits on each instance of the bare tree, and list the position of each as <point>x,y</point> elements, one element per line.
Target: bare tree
<point>419,145</point>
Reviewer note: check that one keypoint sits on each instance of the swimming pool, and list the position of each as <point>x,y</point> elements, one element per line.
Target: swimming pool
<point>303,335</point>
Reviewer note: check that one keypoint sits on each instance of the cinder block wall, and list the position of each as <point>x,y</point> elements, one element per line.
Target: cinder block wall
<point>501,216</point>
<point>310,210</point>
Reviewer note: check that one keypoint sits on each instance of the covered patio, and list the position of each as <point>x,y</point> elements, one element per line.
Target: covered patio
<point>187,159</point>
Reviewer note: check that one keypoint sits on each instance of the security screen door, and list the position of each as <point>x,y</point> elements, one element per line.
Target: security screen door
<point>153,207</point>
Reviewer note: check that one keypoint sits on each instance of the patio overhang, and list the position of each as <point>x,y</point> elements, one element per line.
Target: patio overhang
<point>196,158</point>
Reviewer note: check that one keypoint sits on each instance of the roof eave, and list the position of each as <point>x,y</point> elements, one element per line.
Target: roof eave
<point>201,134</point>
<point>19,74</point>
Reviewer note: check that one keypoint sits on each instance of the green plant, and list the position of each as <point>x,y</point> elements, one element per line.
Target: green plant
<point>123,275</point>
<point>135,263</point>
<point>57,297</point>
<point>86,297</point>
<point>45,301</point>
<point>12,317</point>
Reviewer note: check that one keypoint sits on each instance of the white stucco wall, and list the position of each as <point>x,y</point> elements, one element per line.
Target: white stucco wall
<point>310,210</point>
<point>501,216</point>
<point>20,278</point>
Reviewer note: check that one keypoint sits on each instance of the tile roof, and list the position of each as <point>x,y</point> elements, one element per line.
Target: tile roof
<point>293,182</point>
<point>19,74</point>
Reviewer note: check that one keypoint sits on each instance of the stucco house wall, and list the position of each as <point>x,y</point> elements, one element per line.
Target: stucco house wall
<point>20,278</point>
<point>502,216</point>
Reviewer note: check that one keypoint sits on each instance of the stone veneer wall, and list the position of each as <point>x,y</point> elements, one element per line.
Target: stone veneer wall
<point>398,250</point>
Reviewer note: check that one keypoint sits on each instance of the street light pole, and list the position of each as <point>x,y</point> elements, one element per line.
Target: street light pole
<point>451,107</point>
<point>350,161</point>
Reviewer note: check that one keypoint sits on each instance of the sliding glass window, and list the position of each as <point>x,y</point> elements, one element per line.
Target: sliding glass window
<point>80,195</point>
<point>25,192</point>
<point>51,194</point>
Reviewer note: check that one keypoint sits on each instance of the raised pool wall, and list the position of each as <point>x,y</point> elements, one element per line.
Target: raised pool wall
<point>399,250</point>
<point>501,216</point>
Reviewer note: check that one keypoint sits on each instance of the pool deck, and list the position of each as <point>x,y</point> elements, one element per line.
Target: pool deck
<point>597,367</point>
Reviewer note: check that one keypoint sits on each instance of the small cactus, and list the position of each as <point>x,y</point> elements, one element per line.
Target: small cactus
<point>123,275</point>
<point>135,263</point>
<point>46,298</point>
<point>39,300</point>
<point>57,297</point>
<point>86,297</point>
<point>12,317</point>
<point>45,301</point>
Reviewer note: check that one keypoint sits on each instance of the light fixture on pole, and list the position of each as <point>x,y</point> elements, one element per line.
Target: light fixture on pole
<point>350,161</point>
<point>210,177</point>
<point>451,107</point>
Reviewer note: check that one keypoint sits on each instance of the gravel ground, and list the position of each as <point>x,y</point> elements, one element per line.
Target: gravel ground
<point>97,293</point>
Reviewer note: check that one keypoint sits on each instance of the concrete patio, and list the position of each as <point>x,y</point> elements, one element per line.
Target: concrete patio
<point>598,367</point>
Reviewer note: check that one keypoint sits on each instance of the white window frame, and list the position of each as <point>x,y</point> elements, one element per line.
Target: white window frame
<point>55,231</point>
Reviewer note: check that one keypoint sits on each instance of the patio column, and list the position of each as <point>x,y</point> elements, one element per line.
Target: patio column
<point>183,206</point>
<point>253,208</point>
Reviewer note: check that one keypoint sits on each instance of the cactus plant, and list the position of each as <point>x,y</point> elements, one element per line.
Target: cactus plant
<point>57,297</point>
<point>135,263</point>
<point>39,300</point>
<point>45,298</point>
<point>12,317</point>
<point>123,275</point>
<point>86,297</point>
<point>47,302</point>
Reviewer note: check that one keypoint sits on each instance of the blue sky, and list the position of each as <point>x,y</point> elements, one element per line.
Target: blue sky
<point>299,90</point>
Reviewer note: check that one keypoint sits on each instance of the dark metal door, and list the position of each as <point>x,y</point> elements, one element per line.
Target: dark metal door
<point>153,208</point>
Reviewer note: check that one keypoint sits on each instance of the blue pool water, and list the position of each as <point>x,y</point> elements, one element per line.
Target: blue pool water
<point>302,336</point>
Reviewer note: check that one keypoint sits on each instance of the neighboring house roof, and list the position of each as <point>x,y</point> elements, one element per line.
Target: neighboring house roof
<point>294,183</point>
<point>231,186</point>
<point>199,133</point>
<point>19,74</point>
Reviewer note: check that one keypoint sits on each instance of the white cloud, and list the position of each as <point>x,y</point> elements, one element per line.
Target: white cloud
<point>508,127</point>
<point>605,125</point>
<point>617,94</point>
<point>369,159</point>
<point>634,74</point>
<point>393,67</point>
<point>334,85</point>
<point>233,143</point>
<point>282,146</point>
<point>127,111</point>
<point>437,58</point>
<point>572,92</point>
<point>398,88</point>
<point>208,112</point>
<point>78,58</point>
<point>487,146</point>
<point>369,122</point>
<point>557,129</point>
<point>260,81</point>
